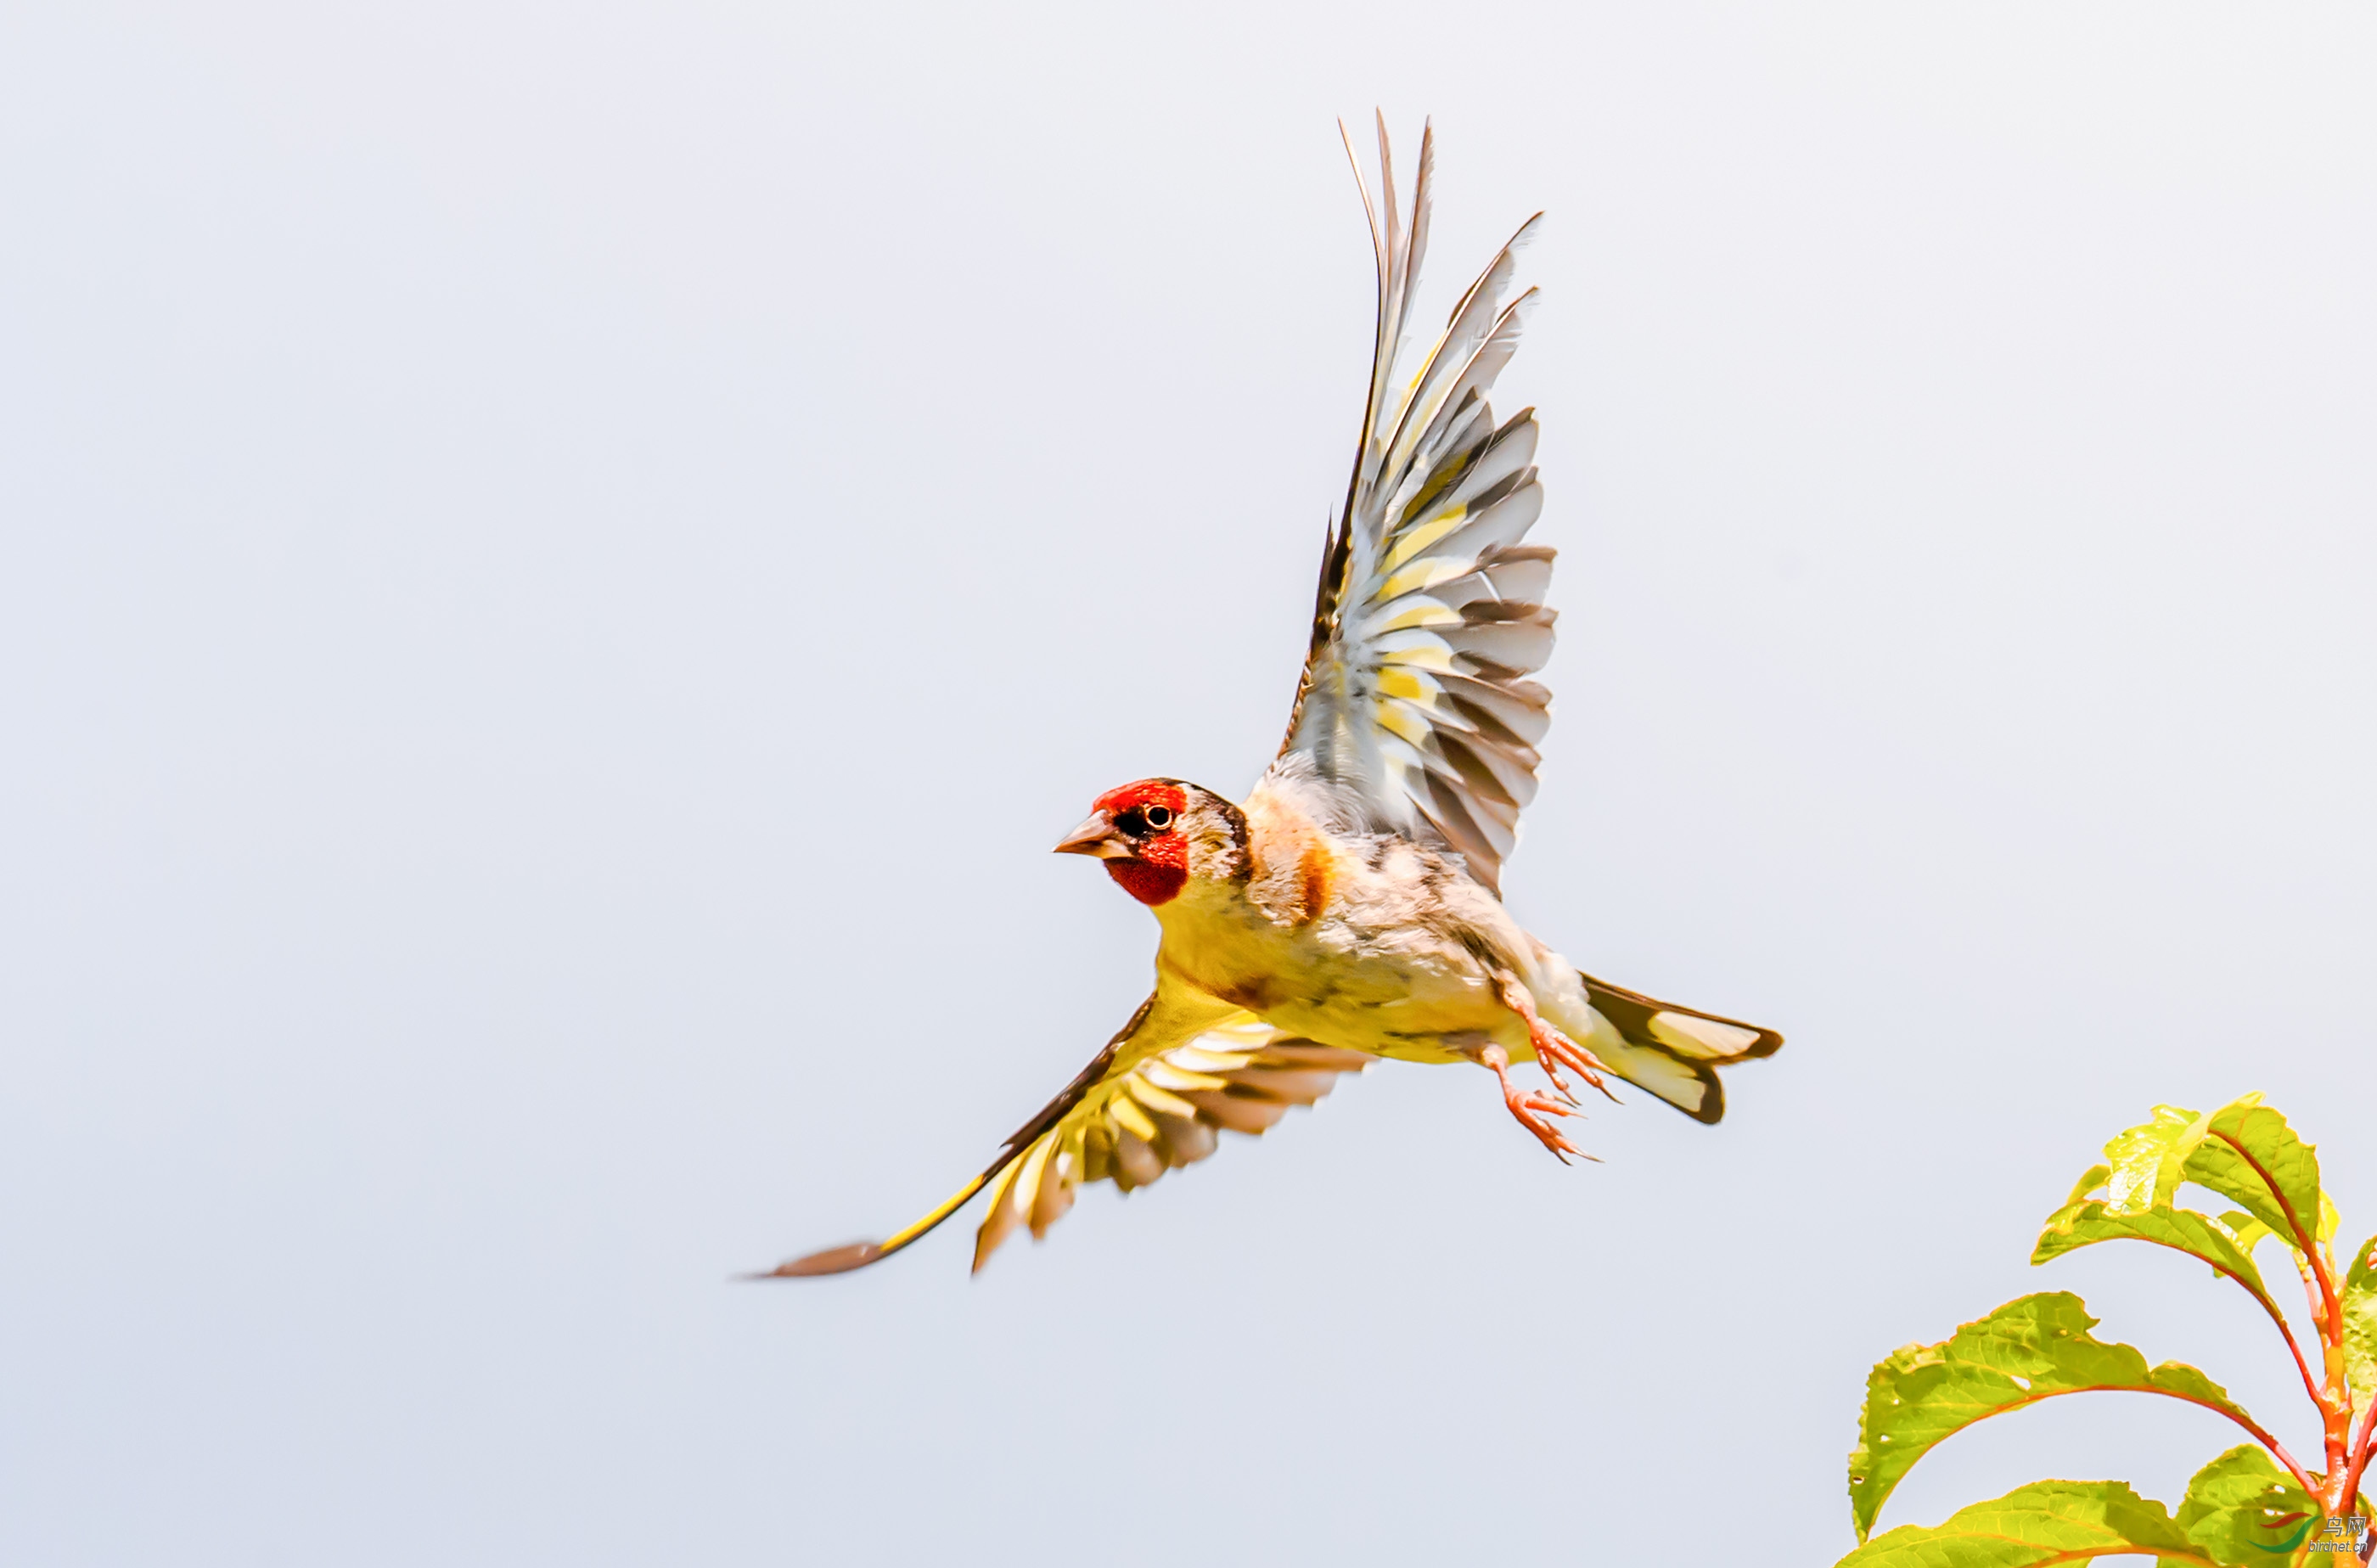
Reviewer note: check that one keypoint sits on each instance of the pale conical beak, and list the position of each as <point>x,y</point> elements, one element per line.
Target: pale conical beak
<point>1097,836</point>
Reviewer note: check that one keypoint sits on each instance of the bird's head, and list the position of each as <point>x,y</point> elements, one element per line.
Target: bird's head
<point>1158,833</point>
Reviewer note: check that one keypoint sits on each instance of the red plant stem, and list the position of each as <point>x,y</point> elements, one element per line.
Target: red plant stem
<point>2327,1317</point>
<point>2324,1305</point>
<point>2318,1307</point>
<point>2301,1475</point>
<point>2334,1410</point>
<point>2253,1427</point>
<point>2361,1451</point>
<point>2286,1332</point>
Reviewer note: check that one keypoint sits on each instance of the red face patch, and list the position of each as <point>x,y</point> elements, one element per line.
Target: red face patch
<point>1148,814</point>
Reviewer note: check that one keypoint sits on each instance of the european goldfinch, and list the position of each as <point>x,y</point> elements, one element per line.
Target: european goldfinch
<point>1351,908</point>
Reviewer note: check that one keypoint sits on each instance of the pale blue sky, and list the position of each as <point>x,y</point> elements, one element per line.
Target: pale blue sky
<point>561,568</point>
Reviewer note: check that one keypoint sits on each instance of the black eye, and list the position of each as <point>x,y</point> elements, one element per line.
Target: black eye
<point>1158,816</point>
<point>1132,822</point>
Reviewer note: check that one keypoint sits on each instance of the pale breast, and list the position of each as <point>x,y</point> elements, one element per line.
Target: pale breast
<point>1353,944</point>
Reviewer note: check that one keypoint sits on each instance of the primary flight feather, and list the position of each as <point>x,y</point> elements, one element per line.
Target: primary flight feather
<point>1351,908</point>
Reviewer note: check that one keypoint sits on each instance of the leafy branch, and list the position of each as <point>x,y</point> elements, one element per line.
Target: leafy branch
<point>2254,1503</point>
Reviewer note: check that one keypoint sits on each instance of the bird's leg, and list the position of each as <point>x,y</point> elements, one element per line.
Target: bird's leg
<point>1531,1109</point>
<point>1554,1050</point>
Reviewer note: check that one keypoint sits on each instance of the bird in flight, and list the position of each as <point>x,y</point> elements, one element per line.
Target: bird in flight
<point>1351,908</point>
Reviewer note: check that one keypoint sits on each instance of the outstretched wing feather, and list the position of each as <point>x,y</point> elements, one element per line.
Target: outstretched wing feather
<point>1182,1069</point>
<point>1413,709</point>
<point>1162,1113</point>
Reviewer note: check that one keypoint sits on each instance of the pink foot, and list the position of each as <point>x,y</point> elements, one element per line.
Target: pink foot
<point>1555,1050</point>
<point>1531,1109</point>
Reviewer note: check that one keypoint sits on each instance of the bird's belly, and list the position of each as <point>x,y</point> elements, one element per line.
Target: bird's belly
<point>1425,1004</point>
<point>1430,1030</point>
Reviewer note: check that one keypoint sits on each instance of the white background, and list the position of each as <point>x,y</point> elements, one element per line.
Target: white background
<point>561,567</point>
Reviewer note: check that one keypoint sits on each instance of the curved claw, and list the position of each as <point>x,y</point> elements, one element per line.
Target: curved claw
<point>1531,1109</point>
<point>1553,1049</point>
<point>1560,1084</point>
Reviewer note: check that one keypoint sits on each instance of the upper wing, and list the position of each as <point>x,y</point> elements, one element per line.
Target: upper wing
<point>1414,702</point>
<point>1182,1068</point>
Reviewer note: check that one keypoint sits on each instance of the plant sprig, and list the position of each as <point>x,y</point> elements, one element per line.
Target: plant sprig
<point>2256,1503</point>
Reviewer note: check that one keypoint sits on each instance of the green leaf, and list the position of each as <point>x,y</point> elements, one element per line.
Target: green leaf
<point>2026,1351</point>
<point>2149,1161</point>
<point>2250,1232</point>
<point>2248,1154</point>
<point>2091,1181</point>
<point>2033,1526</point>
<point>2198,1235</point>
<point>2221,1150</point>
<point>2242,1508</point>
<point>2360,1321</point>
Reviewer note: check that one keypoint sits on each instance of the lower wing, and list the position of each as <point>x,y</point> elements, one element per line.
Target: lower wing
<point>1183,1069</point>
